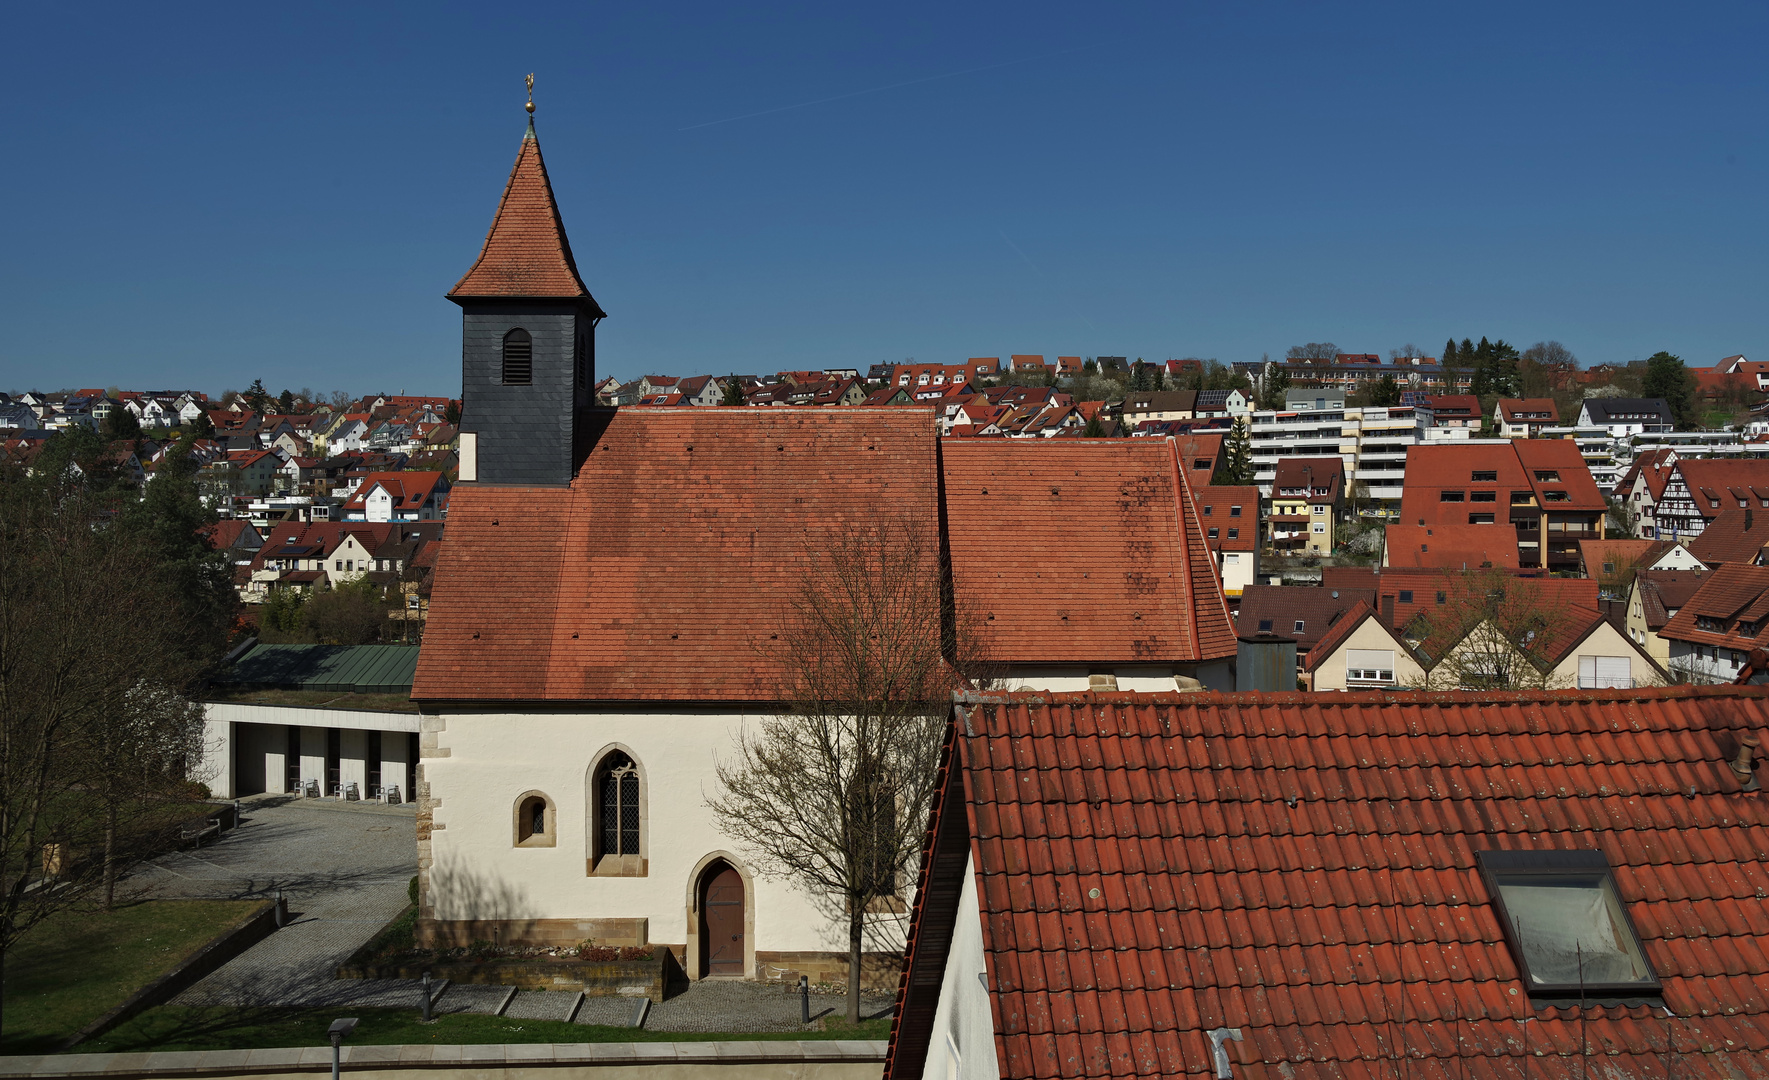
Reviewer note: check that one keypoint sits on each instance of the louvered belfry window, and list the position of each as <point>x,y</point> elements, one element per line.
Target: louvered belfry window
<point>620,806</point>
<point>518,358</point>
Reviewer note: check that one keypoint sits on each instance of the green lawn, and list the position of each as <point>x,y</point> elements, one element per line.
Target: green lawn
<point>73,967</point>
<point>172,1027</point>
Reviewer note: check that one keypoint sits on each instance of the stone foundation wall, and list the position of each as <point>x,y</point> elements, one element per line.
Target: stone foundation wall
<point>545,933</point>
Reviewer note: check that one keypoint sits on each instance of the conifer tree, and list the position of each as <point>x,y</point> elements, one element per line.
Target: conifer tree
<point>1236,463</point>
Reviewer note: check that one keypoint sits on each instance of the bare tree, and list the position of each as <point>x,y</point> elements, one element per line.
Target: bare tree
<point>1494,631</point>
<point>833,791</point>
<point>1314,350</point>
<point>1409,351</point>
<point>91,657</point>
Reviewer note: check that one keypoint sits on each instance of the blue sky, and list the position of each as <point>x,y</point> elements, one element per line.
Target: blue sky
<point>197,195</point>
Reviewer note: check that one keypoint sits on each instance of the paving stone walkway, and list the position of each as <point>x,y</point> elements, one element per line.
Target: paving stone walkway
<point>344,869</point>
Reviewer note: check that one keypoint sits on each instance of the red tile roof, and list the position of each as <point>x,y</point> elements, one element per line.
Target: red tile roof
<point>1435,469</point>
<point>1453,547</point>
<point>1303,868</point>
<point>1664,592</point>
<point>526,252</point>
<point>1736,536</point>
<point>1311,473</point>
<point>658,572</point>
<point>1731,595</point>
<point>1525,410</point>
<point>1118,570</point>
<point>1729,482</point>
<point>1216,510</point>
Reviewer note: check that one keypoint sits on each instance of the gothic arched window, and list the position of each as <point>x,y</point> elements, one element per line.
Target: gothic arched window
<point>518,358</point>
<point>618,806</point>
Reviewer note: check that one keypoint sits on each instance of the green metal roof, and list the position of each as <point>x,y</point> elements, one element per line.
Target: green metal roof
<point>335,669</point>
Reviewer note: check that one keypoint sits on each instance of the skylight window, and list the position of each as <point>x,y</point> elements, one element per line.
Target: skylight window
<point>1565,923</point>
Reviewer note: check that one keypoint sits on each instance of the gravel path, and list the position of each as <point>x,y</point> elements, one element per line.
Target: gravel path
<point>344,869</point>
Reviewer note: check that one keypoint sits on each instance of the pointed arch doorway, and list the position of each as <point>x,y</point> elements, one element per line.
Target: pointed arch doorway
<point>721,920</point>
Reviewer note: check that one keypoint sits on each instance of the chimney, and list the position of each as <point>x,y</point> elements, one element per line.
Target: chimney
<point>1742,766</point>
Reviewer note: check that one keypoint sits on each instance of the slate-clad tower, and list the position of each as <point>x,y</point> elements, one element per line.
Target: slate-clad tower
<point>528,339</point>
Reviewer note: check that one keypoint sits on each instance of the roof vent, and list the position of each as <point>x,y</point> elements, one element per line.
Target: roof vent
<point>1742,765</point>
<point>1219,1052</point>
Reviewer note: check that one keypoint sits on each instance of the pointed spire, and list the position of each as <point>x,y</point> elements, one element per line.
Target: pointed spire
<point>526,253</point>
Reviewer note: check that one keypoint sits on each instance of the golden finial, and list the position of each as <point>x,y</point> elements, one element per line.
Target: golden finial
<point>531,93</point>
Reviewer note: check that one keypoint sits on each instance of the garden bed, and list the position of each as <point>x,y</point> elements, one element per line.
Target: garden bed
<point>597,970</point>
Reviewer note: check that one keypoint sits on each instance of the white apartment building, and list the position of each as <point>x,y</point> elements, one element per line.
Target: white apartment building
<point>1371,440</point>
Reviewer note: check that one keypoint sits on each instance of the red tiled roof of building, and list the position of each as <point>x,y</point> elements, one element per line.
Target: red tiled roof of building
<point>1276,609</point>
<point>1529,409</point>
<point>1413,591</point>
<point>1304,869</point>
<point>225,533</point>
<point>1729,482</point>
<point>1454,405</point>
<point>1731,595</point>
<point>1664,592</point>
<point>526,252</point>
<point>1120,571</point>
<point>1539,467</point>
<point>1312,473</point>
<point>1620,553</point>
<point>657,574</point>
<point>1452,547</point>
<point>1655,465</point>
<point>1736,536</point>
<point>1226,508</point>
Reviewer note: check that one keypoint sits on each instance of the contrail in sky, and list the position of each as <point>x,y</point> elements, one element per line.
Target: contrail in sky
<point>882,89</point>
<point>1047,280</point>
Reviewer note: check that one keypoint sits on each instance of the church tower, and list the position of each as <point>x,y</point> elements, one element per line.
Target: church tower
<point>528,339</point>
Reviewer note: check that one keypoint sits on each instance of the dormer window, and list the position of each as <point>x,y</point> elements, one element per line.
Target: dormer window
<point>1565,923</point>
<point>518,358</point>
<point>1486,476</point>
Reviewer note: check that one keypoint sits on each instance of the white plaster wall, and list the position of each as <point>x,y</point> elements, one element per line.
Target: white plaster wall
<point>1693,665</point>
<point>1237,569</point>
<point>230,730</point>
<point>963,1043</point>
<point>217,764</point>
<point>313,756</point>
<point>361,719</point>
<point>1330,675</point>
<point>1606,640</point>
<point>353,749</point>
<point>481,764</point>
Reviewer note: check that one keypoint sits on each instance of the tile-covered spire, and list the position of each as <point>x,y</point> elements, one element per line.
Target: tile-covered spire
<point>526,253</point>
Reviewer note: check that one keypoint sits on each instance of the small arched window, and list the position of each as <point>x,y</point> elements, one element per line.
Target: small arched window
<point>518,358</point>
<point>617,803</point>
<point>535,825</point>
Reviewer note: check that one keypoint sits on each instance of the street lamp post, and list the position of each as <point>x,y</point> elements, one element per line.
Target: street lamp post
<point>338,1030</point>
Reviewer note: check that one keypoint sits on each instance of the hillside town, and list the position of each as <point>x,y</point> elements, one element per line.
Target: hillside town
<point>1038,717</point>
<point>1297,476</point>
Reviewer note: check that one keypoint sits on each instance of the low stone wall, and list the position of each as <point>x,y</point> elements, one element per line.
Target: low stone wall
<point>652,978</point>
<point>807,1060</point>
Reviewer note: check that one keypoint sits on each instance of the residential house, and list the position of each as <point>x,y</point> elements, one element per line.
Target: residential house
<point>1068,367</point>
<point>1027,362</point>
<point>1362,652</point>
<point>1540,488</point>
<point>1623,417</point>
<point>1655,599</point>
<point>1733,537</point>
<point>1713,632</point>
<point>889,395</point>
<point>18,416</point>
<point>1141,405</point>
<point>399,496</point>
<point>1642,486</point>
<point>1305,497</point>
<point>701,390</point>
<point>1524,418</point>
<point>1214,403</point>
<point>1698,490</point>
<point>252,472</point>
<point>1303,612</point>
<point>1615,562</point>
<point>1230,518</point>
<point>1454,410</point>
<point>1201,452</point>
<point>983,367</point>
<point>1265,887</point>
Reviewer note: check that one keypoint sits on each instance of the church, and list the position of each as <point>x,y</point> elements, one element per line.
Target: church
<point>593,642</point>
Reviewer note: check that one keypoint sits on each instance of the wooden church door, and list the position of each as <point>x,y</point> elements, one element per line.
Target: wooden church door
<point>721,928</point>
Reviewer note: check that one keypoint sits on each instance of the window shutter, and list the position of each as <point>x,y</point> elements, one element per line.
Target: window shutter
<point>1381,659</point>
<point>1605,673</point>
